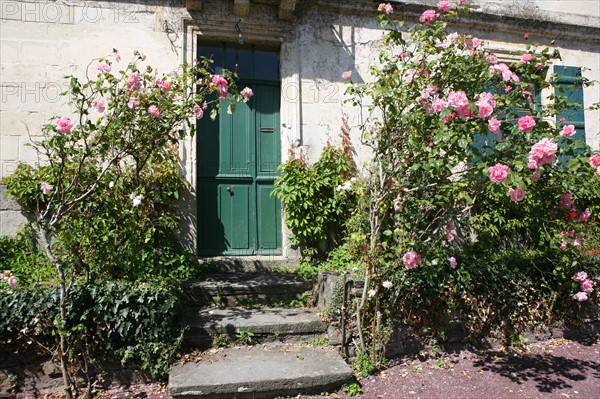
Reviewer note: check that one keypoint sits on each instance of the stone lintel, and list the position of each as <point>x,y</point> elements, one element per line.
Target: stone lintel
<point>193,5</point>
<point>241,8</point>
<point>286,9</point>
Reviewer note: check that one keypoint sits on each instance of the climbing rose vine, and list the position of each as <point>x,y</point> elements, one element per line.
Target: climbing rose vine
<point>464,157</point>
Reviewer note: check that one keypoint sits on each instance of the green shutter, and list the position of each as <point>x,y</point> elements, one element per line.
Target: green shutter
<point>568,83</point>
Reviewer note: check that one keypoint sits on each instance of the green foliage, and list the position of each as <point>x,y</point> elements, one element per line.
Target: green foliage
<point>364,365</point>
<point>132,323</point>
<point>318,342</point>
<point>244,336</point>
<point>352,389</point>
<point>517,340</point>
<point>220,341</point>
<point>315,202</point>
<point>20,255</point>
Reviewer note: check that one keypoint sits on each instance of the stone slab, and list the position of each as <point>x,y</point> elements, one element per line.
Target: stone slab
<point>232,289</point>
<point>267,321</point>
<point>246,283</point>
<point>260,372</point>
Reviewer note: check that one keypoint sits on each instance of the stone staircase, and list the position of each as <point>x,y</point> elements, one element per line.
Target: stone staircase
<point>278,363</point>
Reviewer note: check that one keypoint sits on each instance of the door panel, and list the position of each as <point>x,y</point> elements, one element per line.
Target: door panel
<point>269,220</point>
<point>238,156</point>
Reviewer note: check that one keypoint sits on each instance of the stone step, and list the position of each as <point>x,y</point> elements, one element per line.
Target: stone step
<point>232,289</point>
<point>267,324</point>
<point>260,372</point>
<point>229,264</point>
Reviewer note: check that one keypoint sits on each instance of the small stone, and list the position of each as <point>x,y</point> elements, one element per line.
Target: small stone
<point>51,370</point>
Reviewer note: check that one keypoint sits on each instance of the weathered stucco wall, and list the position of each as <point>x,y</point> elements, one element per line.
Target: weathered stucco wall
<point>43,41</point>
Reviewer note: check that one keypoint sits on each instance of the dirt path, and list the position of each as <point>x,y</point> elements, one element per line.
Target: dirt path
<point>553,369</point>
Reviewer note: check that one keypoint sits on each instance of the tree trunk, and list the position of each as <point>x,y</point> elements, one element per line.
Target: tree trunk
<point>64,295</point>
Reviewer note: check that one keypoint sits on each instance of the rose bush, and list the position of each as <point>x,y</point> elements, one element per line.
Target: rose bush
<point>467,170</point>
<point>103,196</point>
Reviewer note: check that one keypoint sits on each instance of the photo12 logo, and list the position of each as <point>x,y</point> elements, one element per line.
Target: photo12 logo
<point>32,92</point>
<point>66,12</point>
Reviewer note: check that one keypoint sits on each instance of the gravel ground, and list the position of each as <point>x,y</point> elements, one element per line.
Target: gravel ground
<point>553,369</point>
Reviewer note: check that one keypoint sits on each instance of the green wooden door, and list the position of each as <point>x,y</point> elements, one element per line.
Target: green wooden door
<point>238,156</point>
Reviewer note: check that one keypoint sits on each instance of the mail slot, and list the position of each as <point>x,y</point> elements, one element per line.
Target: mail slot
<point>267,129</point>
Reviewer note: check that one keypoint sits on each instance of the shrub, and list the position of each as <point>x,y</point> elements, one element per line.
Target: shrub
<point>135,324</point>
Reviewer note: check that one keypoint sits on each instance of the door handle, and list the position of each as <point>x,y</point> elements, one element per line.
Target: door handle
<point>228,189</point>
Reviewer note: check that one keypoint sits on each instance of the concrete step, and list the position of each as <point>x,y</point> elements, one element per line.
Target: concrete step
<point>267,324</point>
<point>232,289</point>
<point>260,372</point>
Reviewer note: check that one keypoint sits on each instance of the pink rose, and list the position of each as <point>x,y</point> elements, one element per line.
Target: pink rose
<point>567,130</point>
<point>452,37</point>
<point>473,43</point>
<point>221,84</point>
<point>526,57</point>
<point>385,7</point>
<point>346,74</point>
<point>163,84</point>
<point>526,123</point>
<point>532,164</point>
<point>580,276</point>
<point>453,262</point>
<point>134,81</point>
<point>566,200</point>
<point>563,245</point>
<point>543,152</point>
<point>580,296</point>
<point>491,58</point>
<point>99,104</point>
<point>246,94</point>
<point>154,111</point>
<point>411,259</point>
<point>577,242</point>
<point>587,286</point>
<point>526,36</point>
<point>517,194</point>
<point>535,176</point>
<point>63,124</point>
<point>465,112</point>
<point>585,215</point>
<point>133,102</point>
<point>12,281</point>
<point>439,104</point>
<point>46,188</point>
<point>198,111</point>
<point>494,125</point>
<point>458,99</point>
<point>486,104</point>
<point>103,66</point>
<point>428,17</point>
<point>452,232</point>
<point>443,6</point>
<point>498,172</point>
<point>595,160</point>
